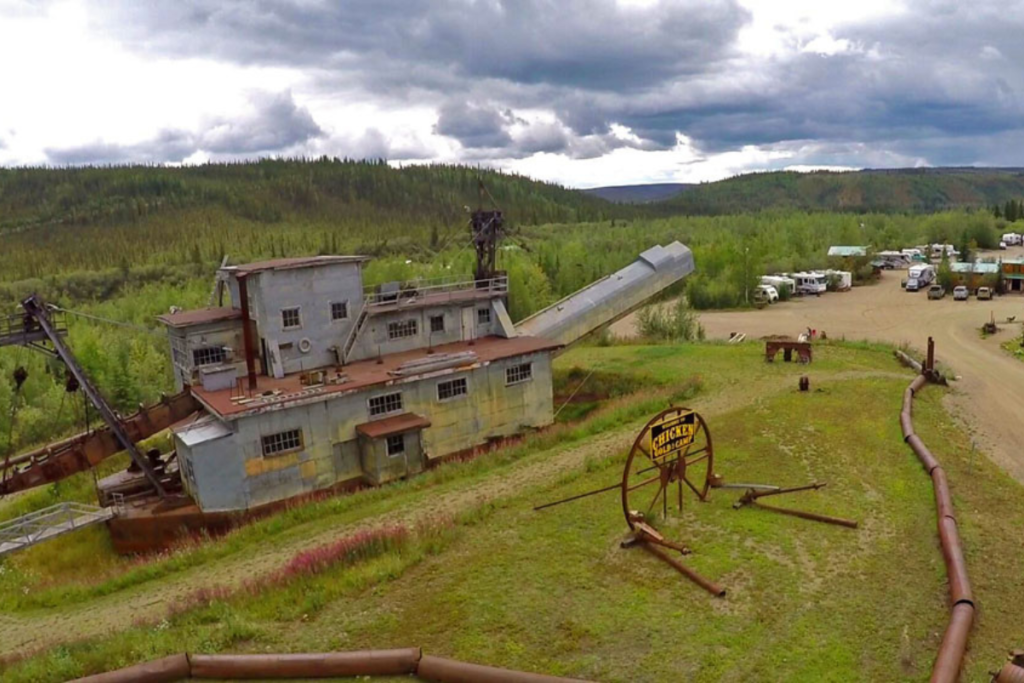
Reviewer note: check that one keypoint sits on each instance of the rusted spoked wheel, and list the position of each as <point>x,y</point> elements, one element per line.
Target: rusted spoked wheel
<point>672,454</point>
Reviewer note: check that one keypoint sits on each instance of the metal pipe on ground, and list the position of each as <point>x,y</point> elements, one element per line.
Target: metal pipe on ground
<point>943,501</point>
<point>950,657</point>
<point>908,361</point>
<point>317,665</point>
<point>923,454</point>
<point>444,670</point>
<point>954,644</point>
<point>906,425</point>
<point>709,586</point>
<point>166,670</point>
<point>956,567</point>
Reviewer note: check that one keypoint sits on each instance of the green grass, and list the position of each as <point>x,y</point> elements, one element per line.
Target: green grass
<point>552,591</point>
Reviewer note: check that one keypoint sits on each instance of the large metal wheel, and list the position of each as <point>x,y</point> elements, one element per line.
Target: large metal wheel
<point>673,448</point>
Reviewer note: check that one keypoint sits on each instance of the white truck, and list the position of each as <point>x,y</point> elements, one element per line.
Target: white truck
<point>919,277</point>
<point>779,281</point>
<point>810,283</point>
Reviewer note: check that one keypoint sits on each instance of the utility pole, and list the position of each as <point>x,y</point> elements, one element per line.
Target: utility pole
<point>746,276</point>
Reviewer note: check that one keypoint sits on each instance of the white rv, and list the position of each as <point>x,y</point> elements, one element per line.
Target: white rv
<point>919,277</point>
<point>843,278</point>
<point>1012,239</point>
<point>810,283</point>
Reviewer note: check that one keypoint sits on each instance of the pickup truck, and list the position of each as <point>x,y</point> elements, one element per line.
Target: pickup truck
<point>936,292</point>
<point>960,293</point>
<point>984,293</point>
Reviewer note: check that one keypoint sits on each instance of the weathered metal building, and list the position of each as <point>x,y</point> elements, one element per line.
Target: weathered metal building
<point>308,381</point>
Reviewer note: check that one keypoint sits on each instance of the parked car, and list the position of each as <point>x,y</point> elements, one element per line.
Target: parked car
<point>936,292</point>
<point>960,293</point>
<point>984,293</point>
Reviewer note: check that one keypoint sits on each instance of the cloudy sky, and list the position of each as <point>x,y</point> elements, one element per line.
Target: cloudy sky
<point>582,92</point>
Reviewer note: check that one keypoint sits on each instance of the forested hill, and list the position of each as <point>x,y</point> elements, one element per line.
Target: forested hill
<point>897,190</point>
<point>272,190</point>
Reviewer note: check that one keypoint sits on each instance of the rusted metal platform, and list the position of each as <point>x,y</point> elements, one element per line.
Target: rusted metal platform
<point>56,520</point>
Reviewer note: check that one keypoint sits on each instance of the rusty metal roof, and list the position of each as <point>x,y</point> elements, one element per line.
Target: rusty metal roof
<point>199,316</point>
<point>296,262</point>
<point>406,422</point>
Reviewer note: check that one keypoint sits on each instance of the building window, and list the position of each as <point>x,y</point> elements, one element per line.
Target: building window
<point>483,316</point>
<point>388,403</point>
<point>208,355</point>
<point>282,442</point>
<point>339,310</point>
<point>516,374</point>
<point>451,389</point>
<point>437,323</point>
<point>396,445</point>
<point>402,329</point>
<point>290,318</point>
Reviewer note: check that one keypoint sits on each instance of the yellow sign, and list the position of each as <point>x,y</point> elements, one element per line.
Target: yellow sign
<point>673,435</point>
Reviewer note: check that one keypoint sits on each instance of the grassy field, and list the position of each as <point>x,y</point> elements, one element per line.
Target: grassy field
<point>480,576</point>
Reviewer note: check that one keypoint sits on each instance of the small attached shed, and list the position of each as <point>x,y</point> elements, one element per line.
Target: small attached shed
<point>392,448</point>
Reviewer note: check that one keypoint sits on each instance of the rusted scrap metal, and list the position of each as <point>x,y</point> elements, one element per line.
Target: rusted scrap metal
<point>1013,670</point>
<point>752,495</point>
<point>706,584</point>
<point>949,659</point>
<point>787,346</point>
<point>1010,673</point>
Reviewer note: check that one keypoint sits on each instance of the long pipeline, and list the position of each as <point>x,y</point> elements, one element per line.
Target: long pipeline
<point>950,657</point>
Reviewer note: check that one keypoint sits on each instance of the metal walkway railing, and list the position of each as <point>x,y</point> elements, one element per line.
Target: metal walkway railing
<point>49,522</point>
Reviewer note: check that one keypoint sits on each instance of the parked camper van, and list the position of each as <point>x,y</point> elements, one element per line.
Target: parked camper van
<point>1012,239</point>
<point>810,283</point>
<point>919,277</point>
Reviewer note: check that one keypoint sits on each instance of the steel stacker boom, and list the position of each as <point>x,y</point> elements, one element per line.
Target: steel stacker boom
<point>37,326</point>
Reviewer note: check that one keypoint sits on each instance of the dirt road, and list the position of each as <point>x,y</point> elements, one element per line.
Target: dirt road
<point>988,398</point>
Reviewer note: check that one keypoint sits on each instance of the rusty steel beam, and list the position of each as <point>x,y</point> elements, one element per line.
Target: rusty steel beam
<point>247,338</point>
<point>320,665</point>
<point>443,670</point>
<point>79,453</point>
<point>813,516</point>
<point>166,670</point>
<point>706,584</point>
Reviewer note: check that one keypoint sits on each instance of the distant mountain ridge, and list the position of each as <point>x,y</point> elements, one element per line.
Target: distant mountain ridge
<point>639,194</point>
<point>870,190</point>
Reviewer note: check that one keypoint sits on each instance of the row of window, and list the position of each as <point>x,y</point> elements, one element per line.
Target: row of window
<point>291,440</point>
<point>291,318</point>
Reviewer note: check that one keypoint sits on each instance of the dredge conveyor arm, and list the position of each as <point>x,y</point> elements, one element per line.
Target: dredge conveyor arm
<point>37,319</point>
